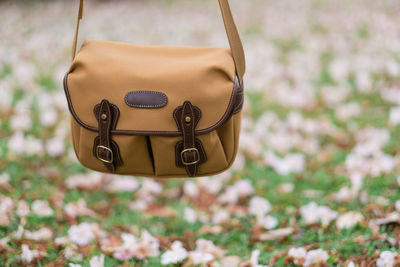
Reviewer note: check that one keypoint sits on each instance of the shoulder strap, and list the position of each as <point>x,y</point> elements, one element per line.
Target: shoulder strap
<point>230,28</point>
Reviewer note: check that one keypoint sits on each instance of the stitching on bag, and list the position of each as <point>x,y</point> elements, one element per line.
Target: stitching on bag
<point>163,103</point>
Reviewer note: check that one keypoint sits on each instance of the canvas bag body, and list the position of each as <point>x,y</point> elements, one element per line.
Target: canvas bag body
<point>156,111</point>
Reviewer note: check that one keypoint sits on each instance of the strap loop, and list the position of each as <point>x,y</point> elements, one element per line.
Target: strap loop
<point>230,28</point>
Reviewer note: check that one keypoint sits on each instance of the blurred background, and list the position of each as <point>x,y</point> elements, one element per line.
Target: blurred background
<point>316,181</point>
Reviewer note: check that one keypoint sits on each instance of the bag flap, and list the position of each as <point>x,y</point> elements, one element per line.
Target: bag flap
<point>111,70</point>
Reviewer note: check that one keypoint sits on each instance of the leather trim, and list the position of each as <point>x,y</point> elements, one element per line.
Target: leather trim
<point>103,145</point>
<point>239,100</point>
<point>114,110</point>
<point>178,115</point>
<point>146,99</point>
<point>189,150</point>
<point>225,117</point>
<point>179,148</point>
<point>117,157</point>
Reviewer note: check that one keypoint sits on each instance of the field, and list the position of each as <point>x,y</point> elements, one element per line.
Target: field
<point>317,178</point>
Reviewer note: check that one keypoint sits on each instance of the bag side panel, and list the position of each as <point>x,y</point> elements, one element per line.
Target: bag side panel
<point>75,133</point>
<point>216,158</point>
<point>229,135</point>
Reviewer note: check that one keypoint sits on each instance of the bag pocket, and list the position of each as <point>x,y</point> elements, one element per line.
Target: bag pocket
<point>156,155</point>
<point>135,153</point>
<point>165,156</point>
<point>229,135</point>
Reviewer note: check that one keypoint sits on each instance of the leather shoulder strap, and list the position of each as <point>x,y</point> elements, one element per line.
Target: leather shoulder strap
<point>230,28</point>
<point>80,16</point>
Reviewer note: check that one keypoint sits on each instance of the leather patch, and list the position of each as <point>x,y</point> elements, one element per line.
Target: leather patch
<point>146,99</point>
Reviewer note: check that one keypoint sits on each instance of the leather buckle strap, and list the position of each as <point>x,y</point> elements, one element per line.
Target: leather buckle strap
<point>105,148</point>
<point>189,151</point>
<point>196,159</point>
<point>111,157</point>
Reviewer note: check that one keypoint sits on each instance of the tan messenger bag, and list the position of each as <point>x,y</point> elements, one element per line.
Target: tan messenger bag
<point>156,111</point>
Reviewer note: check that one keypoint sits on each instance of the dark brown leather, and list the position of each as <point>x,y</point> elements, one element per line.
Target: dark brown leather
<point>238,100</point>
<point>115,114</point>
<point>146,99</point>
<point>225,117</point>
<point>117,155</point>
<point>187,117</point>
<point>107,116</point>
<point>179,148</point>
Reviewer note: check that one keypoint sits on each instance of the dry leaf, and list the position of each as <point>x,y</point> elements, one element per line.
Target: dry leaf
<point>208,229</point>
<point>160,211</point>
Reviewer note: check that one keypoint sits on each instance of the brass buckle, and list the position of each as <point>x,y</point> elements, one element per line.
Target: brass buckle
<point>190,150</point>
<point>100,158</point>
